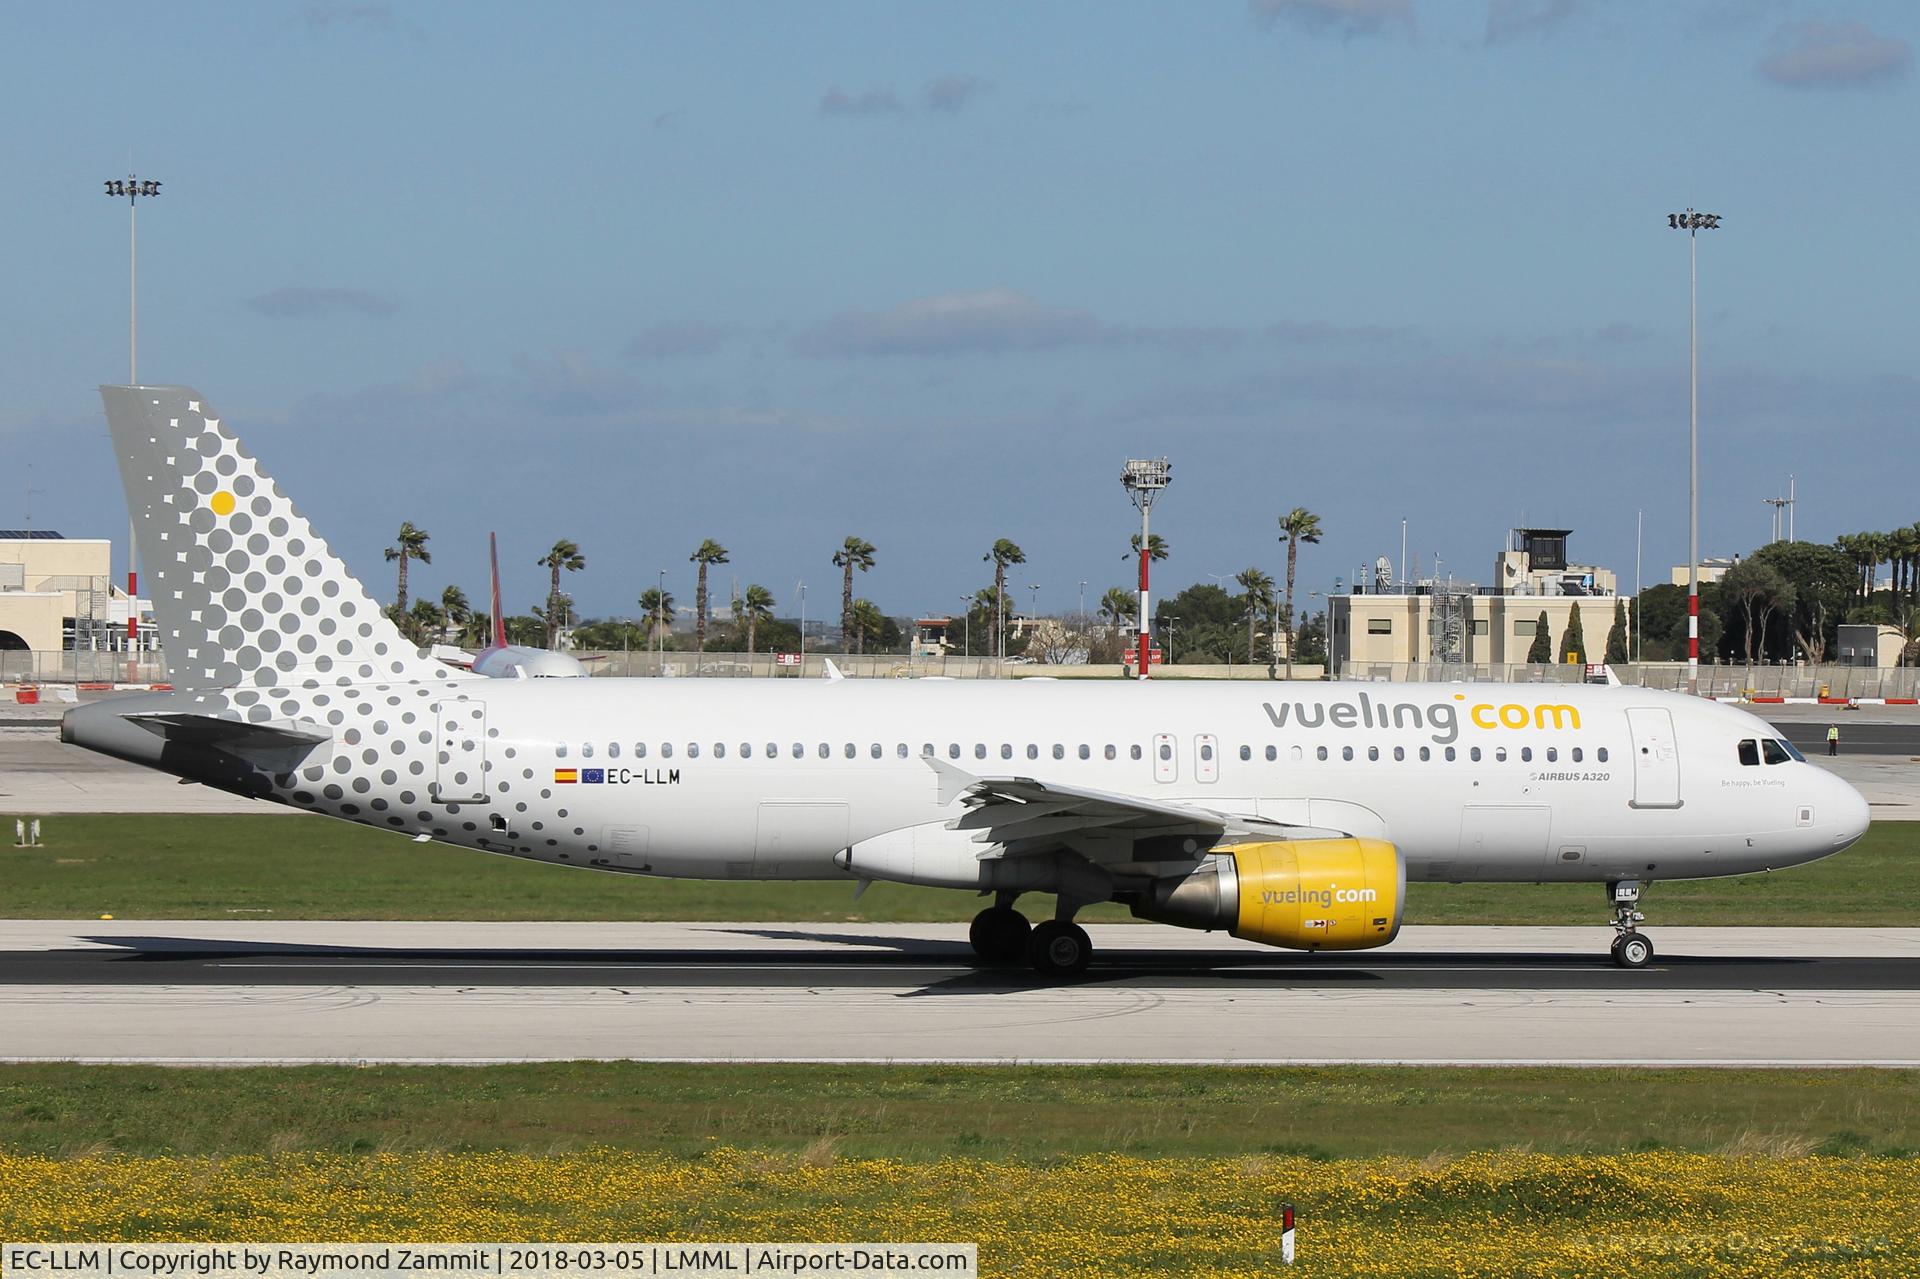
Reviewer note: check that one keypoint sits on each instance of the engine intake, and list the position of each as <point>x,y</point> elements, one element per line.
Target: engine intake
<point>1304,894</point>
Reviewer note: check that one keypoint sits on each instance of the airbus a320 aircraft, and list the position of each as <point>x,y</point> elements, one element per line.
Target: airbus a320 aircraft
<point>1290,814</point>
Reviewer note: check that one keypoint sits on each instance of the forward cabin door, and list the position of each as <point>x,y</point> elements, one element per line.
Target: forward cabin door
<point>460,753</point>
<point>1656,758</point>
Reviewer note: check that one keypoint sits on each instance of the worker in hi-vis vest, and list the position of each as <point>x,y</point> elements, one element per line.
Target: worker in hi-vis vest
<point>1833,739</point>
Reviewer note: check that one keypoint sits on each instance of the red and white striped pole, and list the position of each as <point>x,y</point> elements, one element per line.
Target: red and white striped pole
<point>1146,633</point>
<point>1286,1234</point>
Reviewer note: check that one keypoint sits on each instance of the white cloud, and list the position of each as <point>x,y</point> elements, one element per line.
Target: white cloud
<point>1835,54</point>
<point>1348,17</point>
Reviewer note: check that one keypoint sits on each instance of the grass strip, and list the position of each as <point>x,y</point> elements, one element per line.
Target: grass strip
<point>918,1113</point>
<point>303,867</point>
<point>1491,1214</point>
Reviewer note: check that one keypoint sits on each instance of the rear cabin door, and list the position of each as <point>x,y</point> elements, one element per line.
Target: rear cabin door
<point>1656,758</point>
<point>1166,762</point>
<point>1206,758</point>
<point>460,759</point>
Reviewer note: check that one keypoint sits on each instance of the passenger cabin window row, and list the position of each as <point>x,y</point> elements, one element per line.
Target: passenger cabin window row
<point>1774,751</point>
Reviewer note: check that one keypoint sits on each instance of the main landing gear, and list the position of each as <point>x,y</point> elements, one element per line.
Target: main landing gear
<point>1055,947</point>
<point>1631,947</point>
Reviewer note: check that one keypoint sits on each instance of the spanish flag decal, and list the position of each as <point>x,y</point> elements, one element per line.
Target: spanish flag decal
<point>566,774</point>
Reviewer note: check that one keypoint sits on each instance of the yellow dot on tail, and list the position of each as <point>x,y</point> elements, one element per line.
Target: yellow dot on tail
<point>222,503</point>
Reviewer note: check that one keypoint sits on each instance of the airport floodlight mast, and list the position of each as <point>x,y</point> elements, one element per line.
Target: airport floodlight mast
<point>132,189</point>
<point>1693,223</point>
<point>1145,479</point>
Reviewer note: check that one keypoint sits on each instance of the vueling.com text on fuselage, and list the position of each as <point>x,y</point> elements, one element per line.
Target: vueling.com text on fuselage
<point>1441,719</point>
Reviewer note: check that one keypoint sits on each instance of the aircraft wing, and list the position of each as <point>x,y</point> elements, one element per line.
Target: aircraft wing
<point>1020,816</point>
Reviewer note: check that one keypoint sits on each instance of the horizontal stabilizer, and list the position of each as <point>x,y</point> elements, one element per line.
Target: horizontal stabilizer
<point>258,741</point>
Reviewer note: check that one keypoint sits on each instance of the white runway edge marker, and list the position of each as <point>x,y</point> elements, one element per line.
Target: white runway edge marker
<point>1286,1234</point>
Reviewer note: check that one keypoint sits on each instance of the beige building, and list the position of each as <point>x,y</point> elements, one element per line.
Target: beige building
<point>57,593</point>
<point>1864,644</point>
<point>1447,621</point>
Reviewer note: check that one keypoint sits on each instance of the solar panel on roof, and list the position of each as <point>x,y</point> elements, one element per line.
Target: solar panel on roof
<point>30,535</point>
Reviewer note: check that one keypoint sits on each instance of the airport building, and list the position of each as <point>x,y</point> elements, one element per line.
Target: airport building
<point>57,595</point>
<point>1448,621</point>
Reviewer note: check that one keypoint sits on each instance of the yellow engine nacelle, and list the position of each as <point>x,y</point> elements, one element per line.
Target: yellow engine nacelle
<point>1319,894</point>
<point>1304,894</point>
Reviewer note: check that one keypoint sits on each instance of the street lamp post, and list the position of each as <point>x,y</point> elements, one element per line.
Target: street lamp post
<point>966,624</point>
<point>1145,479</point>
<point>1693,223</point>
<point>1171,619</point>
<point>132,190</point>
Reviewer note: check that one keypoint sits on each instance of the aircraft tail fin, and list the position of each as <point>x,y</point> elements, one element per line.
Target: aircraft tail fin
<point>499,618</point>
<point>244,591</point>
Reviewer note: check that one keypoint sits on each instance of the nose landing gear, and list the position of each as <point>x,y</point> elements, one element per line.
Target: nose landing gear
<point>1631,948</point>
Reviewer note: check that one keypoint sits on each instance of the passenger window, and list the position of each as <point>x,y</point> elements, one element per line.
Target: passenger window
<point>1033,751</point>
<point>719,750</point>
<point>693,750</point>
<point>850,750</point>
<point>1273,753</point>
<point>1006,750</point>
<point>875,751</point>
<point>979,750</point>
<point>1576,755</point>
<point>1321,753</point>
<point>1206,750</point>
<point>1059,751</point>
<point>613,750</point>
<point>560,751</point>
<point>825,751</point>
<point>926,748</point>
<point>1085,751</point>
<point>773,751</point>
<point>639,750</point>
<point>1500,754</point>
<point>1133,752</point>
<point>1775,752</point>
<point>586,750</point>
<point>1373,752</point>
<point>1246,752</point>
<point>1294,753</point>
<point>1399,753</point>
<point>1601,754</point>
<point>666,750</point>
<point>1750,753</point>
<point>1111,752</point>
<point>1474,754</point>
<point>1166,751</point>
<point>1553,753</point>
<point>1451,756</point>
<point>1526,754</point>
<point>1346,752</point>
<point>953,750</point>
<point>799,750</point>
<point>901,750</point>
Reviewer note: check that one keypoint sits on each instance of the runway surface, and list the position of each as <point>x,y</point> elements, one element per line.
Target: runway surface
<point>232,993</point>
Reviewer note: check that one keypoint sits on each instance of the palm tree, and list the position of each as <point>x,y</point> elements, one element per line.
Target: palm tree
<point>1119,605</point>
<point>868,620</point>
<point>1259,589</point>
<point>857,552</point>
<point>1003,554</point>
<point>424,622</point>
<point>564,555</point>
<point>756,607</point>
<point>476,630</point>
<point>411,544</point>
<point>453,604</point>
<point>657,607</point>
<point>1296,526</point>
<point>708,553</point>
<point>1156,548</point>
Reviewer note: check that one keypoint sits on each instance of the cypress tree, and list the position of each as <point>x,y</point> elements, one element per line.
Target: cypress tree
<point>1617,636</point>
<point>1573,640</point>
<point>1542,650</point>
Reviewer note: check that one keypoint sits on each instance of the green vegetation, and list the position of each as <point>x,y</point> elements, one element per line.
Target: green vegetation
<point>989,1112</point>
<point>301,867</point>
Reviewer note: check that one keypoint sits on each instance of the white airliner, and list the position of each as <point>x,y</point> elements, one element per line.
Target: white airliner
<point>501,660</point>
<point>1290,814</point>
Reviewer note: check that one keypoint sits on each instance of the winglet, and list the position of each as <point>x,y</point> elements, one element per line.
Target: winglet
<point>499,619</point>
<point>832,672</point>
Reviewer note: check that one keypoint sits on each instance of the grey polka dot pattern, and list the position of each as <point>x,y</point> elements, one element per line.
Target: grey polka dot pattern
<point>244,592</point>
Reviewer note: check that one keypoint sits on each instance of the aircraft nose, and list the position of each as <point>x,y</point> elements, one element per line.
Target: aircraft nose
<point>1851,815</point>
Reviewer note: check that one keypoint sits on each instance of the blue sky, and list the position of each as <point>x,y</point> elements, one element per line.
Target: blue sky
<point>640,274</point>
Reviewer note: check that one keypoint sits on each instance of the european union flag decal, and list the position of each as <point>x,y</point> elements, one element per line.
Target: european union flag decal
<point>593,776</point>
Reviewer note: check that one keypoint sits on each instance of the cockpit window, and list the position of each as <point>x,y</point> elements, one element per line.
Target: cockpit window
<point>1793,750</point>
<point>1775,750</point>
<point>1750,753</point>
